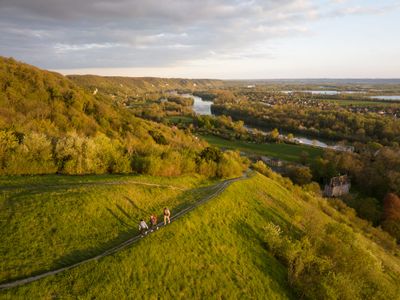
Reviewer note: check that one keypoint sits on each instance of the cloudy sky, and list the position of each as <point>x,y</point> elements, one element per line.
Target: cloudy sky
<point>206,38</point>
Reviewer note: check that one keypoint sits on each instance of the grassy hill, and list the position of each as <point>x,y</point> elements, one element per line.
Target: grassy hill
<point>263,238</point>
<point>51,221</point>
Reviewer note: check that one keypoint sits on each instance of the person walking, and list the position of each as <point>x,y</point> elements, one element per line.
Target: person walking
<point>167,215</point>
<point>143,227</point>
<point>153,222</point>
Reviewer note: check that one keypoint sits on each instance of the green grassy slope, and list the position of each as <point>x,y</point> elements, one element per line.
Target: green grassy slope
<point>220,250</point>
<point>282,151</point>
<point>52,221</point>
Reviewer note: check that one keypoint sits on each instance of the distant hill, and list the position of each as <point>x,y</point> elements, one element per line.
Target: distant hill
<point>339,81</point>
<point>35,99</point>
<point>122,87</point>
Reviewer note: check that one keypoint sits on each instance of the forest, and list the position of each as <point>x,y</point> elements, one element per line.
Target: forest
<point>48,124</point>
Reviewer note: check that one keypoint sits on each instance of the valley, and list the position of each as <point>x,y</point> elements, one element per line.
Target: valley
<point>80,169</point>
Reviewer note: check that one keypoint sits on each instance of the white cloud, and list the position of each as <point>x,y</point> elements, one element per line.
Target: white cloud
<point>62,48</point>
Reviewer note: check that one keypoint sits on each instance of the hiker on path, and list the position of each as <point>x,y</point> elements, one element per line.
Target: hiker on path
<point>143,227</point>
<point>167,214</point>
<point>153,222</point>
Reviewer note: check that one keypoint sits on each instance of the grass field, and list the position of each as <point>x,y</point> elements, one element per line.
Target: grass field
<point>206,254</point>
<point>217,251</point>
<point>52,221</point>
<point>282,151</point>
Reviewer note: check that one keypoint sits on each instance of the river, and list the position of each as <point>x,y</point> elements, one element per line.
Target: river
<point>202,107</point>
<point>392,98</point>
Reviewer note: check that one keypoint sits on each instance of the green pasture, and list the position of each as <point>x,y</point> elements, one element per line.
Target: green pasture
<point>52,221</point>
<point>282,151</point>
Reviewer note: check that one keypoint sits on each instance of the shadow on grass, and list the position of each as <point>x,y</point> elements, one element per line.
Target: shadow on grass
<point>123,211</point>
<point>119,219</point>
<point>262,259</point>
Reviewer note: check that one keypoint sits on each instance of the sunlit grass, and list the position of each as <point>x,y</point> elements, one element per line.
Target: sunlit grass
<point>216,251</point>
<point>51,221</point>
<point>282,151</point>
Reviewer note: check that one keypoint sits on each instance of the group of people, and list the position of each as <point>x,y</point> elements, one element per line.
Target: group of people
<point>143,227</point>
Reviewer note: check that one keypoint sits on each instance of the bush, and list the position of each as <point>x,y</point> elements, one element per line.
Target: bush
<point>261,167</point>
<point>207,168</point>
<point>299,175</point>
<point>333,266</point>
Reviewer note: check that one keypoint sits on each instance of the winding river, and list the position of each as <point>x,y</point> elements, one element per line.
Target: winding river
<point>202,107</point>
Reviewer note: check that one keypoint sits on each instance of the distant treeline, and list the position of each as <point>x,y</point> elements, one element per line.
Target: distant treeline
<point>333,125</point>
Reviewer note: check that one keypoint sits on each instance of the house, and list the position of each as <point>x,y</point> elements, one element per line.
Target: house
<point>338,186</point>
<point>272,162</point>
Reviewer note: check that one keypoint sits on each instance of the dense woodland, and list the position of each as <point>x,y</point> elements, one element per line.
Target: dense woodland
<point>48,124</point>
<point>334,124</point>
<point>375,172</point>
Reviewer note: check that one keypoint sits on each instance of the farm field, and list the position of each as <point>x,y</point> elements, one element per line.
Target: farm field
<point>282,151</point>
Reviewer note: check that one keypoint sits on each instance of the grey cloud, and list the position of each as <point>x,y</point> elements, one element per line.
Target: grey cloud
<point>130,33</point>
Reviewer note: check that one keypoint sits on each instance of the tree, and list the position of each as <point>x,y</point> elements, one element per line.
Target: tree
<point>391,215</point>
<point>274,134</point>
<point>304,157</point>
<point>300,175</point>
<point>8,146</point>
<point>211,154</point>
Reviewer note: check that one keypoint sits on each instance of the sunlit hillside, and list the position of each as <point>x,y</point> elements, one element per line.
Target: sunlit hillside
<point>261,238</point>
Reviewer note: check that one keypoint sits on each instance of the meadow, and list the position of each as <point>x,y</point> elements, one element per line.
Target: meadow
<point>281,151</point>
<point>219,250</point>
<point>52,221</point>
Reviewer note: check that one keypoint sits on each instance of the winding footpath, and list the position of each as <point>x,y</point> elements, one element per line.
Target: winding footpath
<point>220,187</point>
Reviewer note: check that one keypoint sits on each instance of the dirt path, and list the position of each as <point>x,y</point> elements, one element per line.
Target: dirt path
<point>220,188</point>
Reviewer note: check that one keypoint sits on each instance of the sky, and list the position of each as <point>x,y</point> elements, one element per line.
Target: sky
<point>227,39</point>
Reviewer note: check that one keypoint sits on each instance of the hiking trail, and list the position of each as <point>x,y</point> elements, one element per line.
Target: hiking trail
<point>220,187</point>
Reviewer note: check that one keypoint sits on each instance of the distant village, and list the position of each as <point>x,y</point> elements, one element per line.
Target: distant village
<point>325,104</point>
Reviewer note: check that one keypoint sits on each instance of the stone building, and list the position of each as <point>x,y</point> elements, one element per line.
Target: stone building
<point>337,186</point>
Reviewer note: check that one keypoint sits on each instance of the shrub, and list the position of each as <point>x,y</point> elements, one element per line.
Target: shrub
<point>334,266</point>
